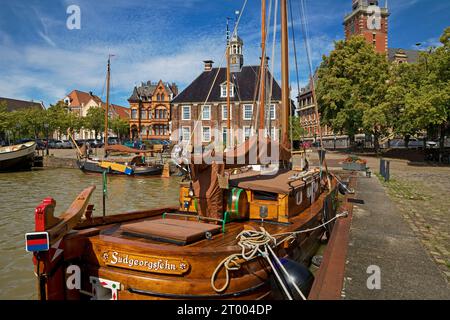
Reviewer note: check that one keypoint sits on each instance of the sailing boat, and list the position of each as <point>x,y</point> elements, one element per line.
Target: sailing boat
<point>237,233</point>
<point>136,166</point>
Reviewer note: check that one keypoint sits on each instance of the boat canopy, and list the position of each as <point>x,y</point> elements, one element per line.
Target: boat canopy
<point>125,149</point>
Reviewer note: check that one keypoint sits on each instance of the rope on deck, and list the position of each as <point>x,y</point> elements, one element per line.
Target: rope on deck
<point>255,244</point>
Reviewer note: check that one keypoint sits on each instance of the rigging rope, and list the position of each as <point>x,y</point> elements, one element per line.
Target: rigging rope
<point>217,74</point>
<point>255,244</point>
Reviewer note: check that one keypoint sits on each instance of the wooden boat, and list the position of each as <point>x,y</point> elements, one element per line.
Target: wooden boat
<point>135,167</point>
<point>171,253</point>
<point>116,168</point>
<point>17,157</point>
<point>238,233</point>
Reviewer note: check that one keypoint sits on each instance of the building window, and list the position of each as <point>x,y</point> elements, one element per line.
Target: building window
<point>161,129</point>
<point>225,135</point>
<point>206,113</point>
<point>150,114</point>
<point>225,112</point>
<point>248,112</point>
<point>247,132</point>
<point>143,130</point>
<point>206,134</point>
<point>223,90</point>
<point>143,114</point>
<point>161,114</point>
<point>186,110</point>
<point>186,133</point>
<point>272,112</point>
<point>133,114</point>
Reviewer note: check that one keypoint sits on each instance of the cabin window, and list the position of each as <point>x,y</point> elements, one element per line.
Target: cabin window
<point>206,134</point>
<point>206,113</point>
<point>186,113</point>
<point>248,112</point>
<point>262,195</point>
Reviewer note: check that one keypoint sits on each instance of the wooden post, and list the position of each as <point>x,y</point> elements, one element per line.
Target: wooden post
<point>262,92</point>
<point>285,96</point>
<point>107,101</point>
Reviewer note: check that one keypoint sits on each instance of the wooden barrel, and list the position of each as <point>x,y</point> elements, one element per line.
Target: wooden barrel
<point>237,204</point>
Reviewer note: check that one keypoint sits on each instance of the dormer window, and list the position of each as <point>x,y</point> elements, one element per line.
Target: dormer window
<point>223,90</point>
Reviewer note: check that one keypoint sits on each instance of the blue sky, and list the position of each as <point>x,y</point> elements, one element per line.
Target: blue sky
<point>41,59</point>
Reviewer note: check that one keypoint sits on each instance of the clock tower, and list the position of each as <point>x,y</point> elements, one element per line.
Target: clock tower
<point>370,20</point>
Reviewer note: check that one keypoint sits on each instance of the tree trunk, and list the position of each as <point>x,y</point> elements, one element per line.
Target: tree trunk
<point>407,138</point>
<point>376,141</point>
<point>442,141</point>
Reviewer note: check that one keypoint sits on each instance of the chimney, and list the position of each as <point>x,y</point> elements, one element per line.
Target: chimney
<point>266,61</point>
<point>208,65</point>
<point>90,93</point>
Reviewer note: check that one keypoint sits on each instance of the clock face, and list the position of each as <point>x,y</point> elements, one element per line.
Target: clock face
<point>374,18</point>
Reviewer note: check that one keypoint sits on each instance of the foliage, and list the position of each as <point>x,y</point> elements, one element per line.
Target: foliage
<point>352,88</point>
<point>298,132</point>
<point>119,126</point>
<point>95,120</point>
<point>359,90</point>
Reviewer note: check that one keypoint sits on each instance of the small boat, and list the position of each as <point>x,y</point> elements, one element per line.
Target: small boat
<point>17,157</point>
<point>136,166</point>
<point>132,168</point>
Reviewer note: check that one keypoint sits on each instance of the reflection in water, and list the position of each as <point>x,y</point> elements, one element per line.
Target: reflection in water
<point>21,192</point>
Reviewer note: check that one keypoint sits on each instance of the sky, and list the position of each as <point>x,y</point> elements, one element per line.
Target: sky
<point>41,59</point>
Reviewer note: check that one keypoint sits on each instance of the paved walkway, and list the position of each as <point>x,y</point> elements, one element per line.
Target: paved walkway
<point>380,236</point>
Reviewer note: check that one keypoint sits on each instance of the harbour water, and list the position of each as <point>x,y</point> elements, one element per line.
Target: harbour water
<point>21,192</point>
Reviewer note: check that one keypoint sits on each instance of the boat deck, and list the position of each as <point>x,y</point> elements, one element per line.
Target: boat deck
<point>306,219</point>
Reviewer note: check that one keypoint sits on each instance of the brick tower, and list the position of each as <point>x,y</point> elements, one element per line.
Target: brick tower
<point>370,20</point>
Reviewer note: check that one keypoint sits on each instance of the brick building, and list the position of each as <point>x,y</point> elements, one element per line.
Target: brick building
<point>370,20</point>
<point>150,110</point>
<point>205,100</point>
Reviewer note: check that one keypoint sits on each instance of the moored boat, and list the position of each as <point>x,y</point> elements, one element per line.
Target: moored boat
<point>17,157</point>
<point>243,229</point>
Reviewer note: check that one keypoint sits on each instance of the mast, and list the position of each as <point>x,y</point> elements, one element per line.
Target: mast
<point>228,88</point>
<point>262,91</point>
<point>285,96</point>
<point>107,100</point>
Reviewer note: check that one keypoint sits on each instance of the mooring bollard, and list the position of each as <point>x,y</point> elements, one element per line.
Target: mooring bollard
<point>382,167</point>
<point>387,174</point>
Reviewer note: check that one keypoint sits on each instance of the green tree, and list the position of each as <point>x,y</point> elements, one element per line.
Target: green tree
<point>298,132</point>
<point>95,120</point>
<point>352,87</point>
<point>419,93</point>
<point>119,126</point>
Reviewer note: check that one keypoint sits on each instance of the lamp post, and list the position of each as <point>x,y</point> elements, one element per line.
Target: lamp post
<point>46,132</point>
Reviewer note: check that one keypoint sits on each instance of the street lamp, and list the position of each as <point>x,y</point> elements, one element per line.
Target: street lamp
<point>46,144</point>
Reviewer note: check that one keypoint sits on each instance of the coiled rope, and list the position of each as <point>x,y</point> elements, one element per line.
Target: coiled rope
<point>255,244</point>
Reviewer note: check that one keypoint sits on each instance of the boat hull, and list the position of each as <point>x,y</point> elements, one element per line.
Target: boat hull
<point>89,166</point>
<point>125,265</point>
<point>17,160</point>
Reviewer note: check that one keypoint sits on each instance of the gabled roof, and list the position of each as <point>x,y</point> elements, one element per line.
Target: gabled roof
<point>146,90</point>
<point>15,105</point>
<point>79,98</point>
<point>412,56</point>
<point>246,84</point>
<point>121,112</point>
